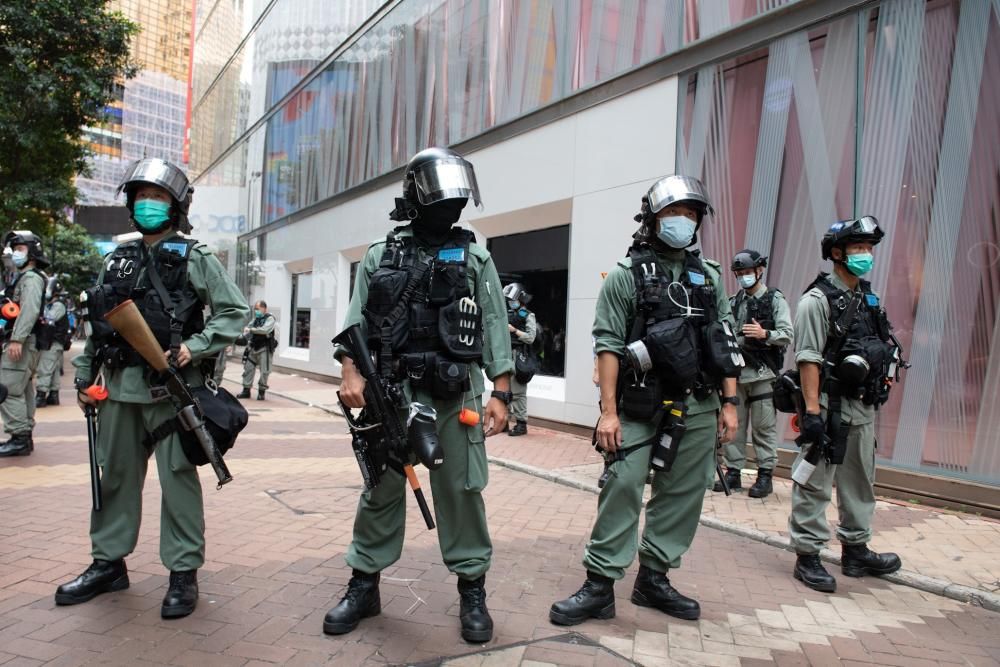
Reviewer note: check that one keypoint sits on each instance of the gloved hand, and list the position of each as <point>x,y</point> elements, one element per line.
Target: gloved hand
<point>812,428</point>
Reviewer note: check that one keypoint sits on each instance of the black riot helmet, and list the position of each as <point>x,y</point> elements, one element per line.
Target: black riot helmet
<point>53,288</point>
<point>841,234</point>
<point>164,175</point>
<point>36,252</point>
<point>435,175</point>
<point>747,259</point>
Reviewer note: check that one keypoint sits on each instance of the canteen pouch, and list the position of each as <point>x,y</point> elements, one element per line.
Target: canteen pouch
<point>674,349</point>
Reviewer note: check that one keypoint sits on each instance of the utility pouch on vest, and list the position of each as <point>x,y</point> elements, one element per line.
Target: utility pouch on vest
<point>642,399</point>
<point>450,379</point>
<point>674,349</point>
<point>384,292</point>
<point>786,392</point>
<point>45,335</point>
<point>460,326</point>
<point>722,351</point>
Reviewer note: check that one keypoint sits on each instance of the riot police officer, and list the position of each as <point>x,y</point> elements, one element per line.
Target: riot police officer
<point>20,354</point>
<point>764,329</point>
<point>445,276</point>
<point>845,353</point>
<point>667,354</point>
<point>260,346</point>
<point>522,327</point>
<point>172,279</point>
<point>56,338</point>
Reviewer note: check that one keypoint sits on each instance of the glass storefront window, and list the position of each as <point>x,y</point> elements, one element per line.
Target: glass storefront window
<point>786,146</point>
<point>301,309</point>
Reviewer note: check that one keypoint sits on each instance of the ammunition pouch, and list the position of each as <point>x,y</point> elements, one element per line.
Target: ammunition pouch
<point>642,399</point>
<point>443,378</point>
<point>673,347</point>
<point>384,293</point>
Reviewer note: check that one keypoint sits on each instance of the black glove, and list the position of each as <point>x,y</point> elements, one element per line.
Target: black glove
<point>812,428</point>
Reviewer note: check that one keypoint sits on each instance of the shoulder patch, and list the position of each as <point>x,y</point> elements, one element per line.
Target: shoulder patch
<point>712,263</point>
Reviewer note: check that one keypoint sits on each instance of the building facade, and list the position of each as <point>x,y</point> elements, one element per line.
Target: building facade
<point>148,116</point>
<point>795,113</point>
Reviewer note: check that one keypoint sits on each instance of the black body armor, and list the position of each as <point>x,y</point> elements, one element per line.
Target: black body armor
<point>173,313</point>
<point>518,318</point>
<point>260,341</point>
<point>39,327</point>
<point>421,317</point>
<point>760,309</point>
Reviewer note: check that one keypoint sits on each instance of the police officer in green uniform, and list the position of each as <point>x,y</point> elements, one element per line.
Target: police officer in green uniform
<point>448,277</point>
<point>523,328</point>
<point>260,347</point>
<point>20,354</point>
<point>846,356</point>
<point>56,322</point>
<point>764,330</point>
<point>160,267</point>
<point>665,347</point>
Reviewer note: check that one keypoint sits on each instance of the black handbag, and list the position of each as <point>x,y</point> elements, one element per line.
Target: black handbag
<point>225,417</point>
<point>525,365</point>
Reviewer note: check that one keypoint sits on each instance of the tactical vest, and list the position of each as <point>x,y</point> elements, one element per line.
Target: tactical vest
<point>867,334</point>
<point>260,341</point>
<point>422,320</point>
<point>173,316</point>
<point>762,310</point>
<point>662,301</point>
<point>60,329</point>
<point>11,289</point>
<point>518,318</point>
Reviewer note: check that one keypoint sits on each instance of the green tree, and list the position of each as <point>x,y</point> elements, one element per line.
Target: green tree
<point>59,61</point>
<point>74,256</point>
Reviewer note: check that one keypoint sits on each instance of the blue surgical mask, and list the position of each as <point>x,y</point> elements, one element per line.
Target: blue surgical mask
<point>860,264</point>
<point>20,258</point>
<point>151,215</point>
<point>748,281</point>
<point>257,313</point>
<point>515,304</point>
<point>676,231</point>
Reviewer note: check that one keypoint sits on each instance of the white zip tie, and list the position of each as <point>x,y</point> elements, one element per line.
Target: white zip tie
<point>419,601</point>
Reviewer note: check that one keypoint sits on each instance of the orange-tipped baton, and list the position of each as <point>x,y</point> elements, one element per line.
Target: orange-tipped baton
<point>411,476</point>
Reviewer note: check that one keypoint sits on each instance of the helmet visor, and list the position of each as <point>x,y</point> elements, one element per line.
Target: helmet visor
<point>447,178</point>
<point>156,172</point>
<point>865,225</point>
<point>677,189</point>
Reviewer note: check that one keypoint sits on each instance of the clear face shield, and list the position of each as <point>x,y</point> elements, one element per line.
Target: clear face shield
<point>447,178</point>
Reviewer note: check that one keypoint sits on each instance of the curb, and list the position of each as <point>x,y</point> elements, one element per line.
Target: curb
<point>922,582</point>
<point>958,592</point>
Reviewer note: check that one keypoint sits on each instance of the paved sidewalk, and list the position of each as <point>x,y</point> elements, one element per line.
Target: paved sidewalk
<point>276,542</point>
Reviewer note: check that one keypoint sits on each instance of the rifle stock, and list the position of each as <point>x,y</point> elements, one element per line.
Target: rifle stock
<point>126,319</point>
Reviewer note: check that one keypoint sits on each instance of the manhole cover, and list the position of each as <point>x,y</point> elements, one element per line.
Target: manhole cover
<point>568,649</point>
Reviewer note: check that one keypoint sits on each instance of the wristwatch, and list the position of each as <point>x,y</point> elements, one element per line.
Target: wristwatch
<point>732,400</point>
<point>504,396</point>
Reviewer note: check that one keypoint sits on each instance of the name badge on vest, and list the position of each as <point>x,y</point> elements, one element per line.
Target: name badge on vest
<point>175,247</point>
<point>451,255</point>
<point>696,278</point>
<point>871,300</point>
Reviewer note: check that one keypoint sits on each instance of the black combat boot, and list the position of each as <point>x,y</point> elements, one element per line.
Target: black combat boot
<point>103,576</point>
<point>810,571</point>
<point>653,589</point>
<point>260,394</point>
<point>20,444</point>
<point>857,560</point>
<point>520,428</point>
<point>732,479</point>
<point>245,393</point>
<point>595,599</point>
<point>53,398</point>
<point>361,600</point>
<point>477,626</point>
<point>762,488</point>
<point>182,595</point>
<point>40,399</point>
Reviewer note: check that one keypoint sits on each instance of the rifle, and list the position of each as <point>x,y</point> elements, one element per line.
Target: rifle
<point>129,323</point>
<point>378,437</point>
<point>95,473</point>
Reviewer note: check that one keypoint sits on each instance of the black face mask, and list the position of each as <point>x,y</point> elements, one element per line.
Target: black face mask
<point>435,220</point>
